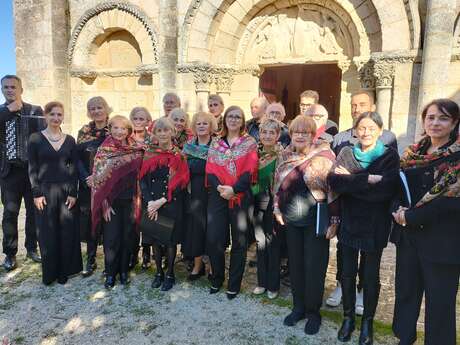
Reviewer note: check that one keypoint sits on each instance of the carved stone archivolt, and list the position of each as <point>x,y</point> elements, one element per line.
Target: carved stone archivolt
<point>108,6</point>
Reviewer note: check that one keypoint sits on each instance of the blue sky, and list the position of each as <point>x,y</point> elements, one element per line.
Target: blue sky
<point>7,58</point>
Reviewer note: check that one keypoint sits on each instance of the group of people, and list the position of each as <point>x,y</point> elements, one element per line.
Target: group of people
<point>217,181</point>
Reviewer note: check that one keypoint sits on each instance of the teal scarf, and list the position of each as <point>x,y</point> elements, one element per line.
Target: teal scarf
<point>366,158</point>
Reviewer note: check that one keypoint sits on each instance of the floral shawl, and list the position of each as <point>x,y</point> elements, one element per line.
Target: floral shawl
<point>156,157</point>
<point>89,132</point>
<point>228,164</point>
<point>446,175</point>
<point>267,165</point>
<point>182,137</point>
<point>321,159</point>
<point>193,150</point>
<point>116,167</point>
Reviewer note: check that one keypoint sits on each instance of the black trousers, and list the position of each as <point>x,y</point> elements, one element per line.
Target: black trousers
<point>118,237</point>
<point>339,273</point>
<point>268,250</point>
<point>370,277</point>
<point>220,219</point>
<point>14,187</point>
<point>58,235</point>
<point>308,259</point>
<point>439,282</point>
<point>86,235</point>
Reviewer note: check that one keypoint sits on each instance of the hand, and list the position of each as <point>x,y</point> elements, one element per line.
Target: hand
<point>340,170</point>
<point>40,203</point>
<point>108,214</point>
<point>226,192</point>
<point>331,231</point>
<point>279,218</point>
<point>15,106</point>
<point>373,179</point>
<point>70,202</point>
<point>90,181</point>
<point>153,215</point>
<point>400,215</point>
<point>155,205</point>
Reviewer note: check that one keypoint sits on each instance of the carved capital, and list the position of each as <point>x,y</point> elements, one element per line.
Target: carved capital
<point>384,73</point>
<point>366,75</point>
<point>224,81</point>
<point>344,65</point>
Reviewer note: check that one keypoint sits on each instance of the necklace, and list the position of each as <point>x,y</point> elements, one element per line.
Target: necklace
<point>50,138</point>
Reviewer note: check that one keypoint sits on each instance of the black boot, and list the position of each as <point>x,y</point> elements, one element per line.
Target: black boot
<point>371,299</point>
<point>349,300</point>
<point>90,267</point>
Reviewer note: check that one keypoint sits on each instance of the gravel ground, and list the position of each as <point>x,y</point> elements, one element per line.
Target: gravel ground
<point>83,312</point>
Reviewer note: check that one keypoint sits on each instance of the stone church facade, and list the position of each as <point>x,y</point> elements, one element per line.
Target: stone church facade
<point>132,52</point>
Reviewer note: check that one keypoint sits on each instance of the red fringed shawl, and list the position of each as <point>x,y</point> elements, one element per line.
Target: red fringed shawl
<point>155,157</point>
<point>116,167</point>
<point>228,164</point>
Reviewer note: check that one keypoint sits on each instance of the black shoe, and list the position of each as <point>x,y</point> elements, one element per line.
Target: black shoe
<point>231,295</point>
<point>366,337</point>
<point>62,280</point>
<point>293,318</point>
<point>89,269</point>
<point>168,283</point>
<point>158,280</point>
<point>109,282</point>
<point>313,324</point>
<point>10,263</point>
<point>196,276</point>
<point>213,290</point>
<point>33,255</point>
<point>345,332</point>
<point>124,279</point>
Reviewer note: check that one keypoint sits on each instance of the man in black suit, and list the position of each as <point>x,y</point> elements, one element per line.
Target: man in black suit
<point>17,121</point>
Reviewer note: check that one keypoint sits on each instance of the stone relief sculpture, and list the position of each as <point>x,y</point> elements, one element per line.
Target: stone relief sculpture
<point>299,32</point>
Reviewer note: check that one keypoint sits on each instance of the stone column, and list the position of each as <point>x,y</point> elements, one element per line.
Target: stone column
<point>384,74</point>
<point>167,46</point>
<point>346,84</point>
<point>224,81</point>
<point>42,63</point>
<point>437,51</point>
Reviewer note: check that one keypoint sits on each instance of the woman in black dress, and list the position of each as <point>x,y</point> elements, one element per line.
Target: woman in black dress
<point>366,177</point>
<point>53,176</point>
<point>196,150</point>
<point>427,236</point>
<point>163,179</point>
<point>89,138</point>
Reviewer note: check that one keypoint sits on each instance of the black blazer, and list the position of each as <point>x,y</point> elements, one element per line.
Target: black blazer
<point>434,227</point>
<point>364,207</point>
<point>25,126</point>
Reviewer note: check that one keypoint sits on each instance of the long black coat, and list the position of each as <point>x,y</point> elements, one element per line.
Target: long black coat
<point>365,208</point>
<point>435,226</point>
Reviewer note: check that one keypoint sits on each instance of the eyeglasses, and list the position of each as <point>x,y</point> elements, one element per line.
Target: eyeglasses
<point>305,105</point>
<point>317,116</point>
<point>234,117</point>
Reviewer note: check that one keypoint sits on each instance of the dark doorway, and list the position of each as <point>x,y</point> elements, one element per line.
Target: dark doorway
<point>286,83</point>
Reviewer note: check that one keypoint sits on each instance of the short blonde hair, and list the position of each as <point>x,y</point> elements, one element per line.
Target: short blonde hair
<point>164,123</point>
<point>136,110</point>
<point>208,117</point>
<point>302,123</point>
<point>216,98</point>
<point>270,124</point>
<point>98,100</point>
<point>179,112</point>
<point>122,119</point>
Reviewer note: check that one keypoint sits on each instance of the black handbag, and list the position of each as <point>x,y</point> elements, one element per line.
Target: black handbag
<point>159,230</point>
